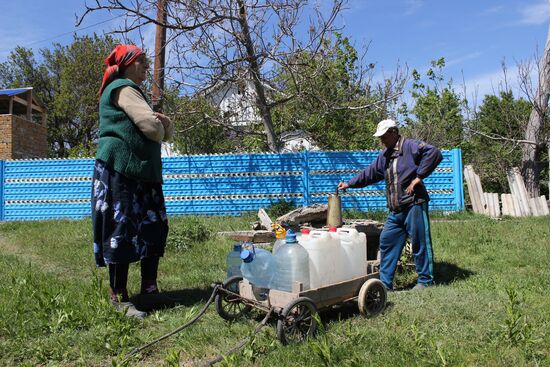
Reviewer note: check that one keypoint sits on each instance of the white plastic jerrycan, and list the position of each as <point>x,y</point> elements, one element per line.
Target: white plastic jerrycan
<point>326,259</point>
<point>354,244</point>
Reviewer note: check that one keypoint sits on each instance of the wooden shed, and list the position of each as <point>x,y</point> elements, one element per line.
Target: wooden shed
<point>23,127</point>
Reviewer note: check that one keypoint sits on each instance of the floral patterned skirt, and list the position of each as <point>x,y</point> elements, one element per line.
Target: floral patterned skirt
<point>128,217</point>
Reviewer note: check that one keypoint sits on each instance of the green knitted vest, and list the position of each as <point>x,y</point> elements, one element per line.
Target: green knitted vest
<point>121,144</point>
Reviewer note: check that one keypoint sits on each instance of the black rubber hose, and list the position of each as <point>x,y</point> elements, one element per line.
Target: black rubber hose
<point>240,344</point>
<point>190,322</point>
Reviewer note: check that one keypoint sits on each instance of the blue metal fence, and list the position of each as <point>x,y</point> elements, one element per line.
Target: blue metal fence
<point>217,184</point>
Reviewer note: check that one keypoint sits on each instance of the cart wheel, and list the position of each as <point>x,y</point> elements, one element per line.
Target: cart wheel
<point>296,322</point>
<point>229,306</point>
<point>372,298</point>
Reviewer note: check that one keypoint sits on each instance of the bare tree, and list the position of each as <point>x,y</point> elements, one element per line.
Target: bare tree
<point>521,131</point>
<point>215,42</point>
<point>535,137</point>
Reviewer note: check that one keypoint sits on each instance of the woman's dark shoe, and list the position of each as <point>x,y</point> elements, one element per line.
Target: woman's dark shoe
<point>149,287</point>
<point>118,295</point>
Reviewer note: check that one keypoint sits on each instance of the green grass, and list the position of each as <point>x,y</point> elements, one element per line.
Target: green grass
<point>491,306</point>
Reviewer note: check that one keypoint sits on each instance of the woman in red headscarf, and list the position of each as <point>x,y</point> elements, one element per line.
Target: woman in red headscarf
<point>128,210</point>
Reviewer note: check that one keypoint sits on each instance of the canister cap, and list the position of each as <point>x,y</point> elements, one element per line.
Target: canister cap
<point>237,247</point>
<point>332,229</point>
<point>305,231</point>
<point>291,236</point>
<point>280,232</point>
<point>247,256</point>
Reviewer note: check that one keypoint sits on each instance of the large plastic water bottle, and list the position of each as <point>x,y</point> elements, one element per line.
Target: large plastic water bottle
<point>292,264</point>
<point>258,267</point>
<point>233,261</point>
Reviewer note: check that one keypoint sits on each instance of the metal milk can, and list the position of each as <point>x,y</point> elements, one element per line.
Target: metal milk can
<point>334,214</point>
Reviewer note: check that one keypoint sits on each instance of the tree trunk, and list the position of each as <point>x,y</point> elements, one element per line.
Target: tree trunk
<point>160,47</point>
<point>534,131</point>
<point>254,68</point>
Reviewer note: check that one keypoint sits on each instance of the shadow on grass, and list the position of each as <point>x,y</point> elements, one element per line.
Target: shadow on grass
<point>346,311</point>
<point>444,273</point>
<point>170,299</point>
<point>447,273</point>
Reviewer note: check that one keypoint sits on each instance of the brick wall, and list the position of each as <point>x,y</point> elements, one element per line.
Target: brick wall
<point>5,137</point>
<point>21,139</point>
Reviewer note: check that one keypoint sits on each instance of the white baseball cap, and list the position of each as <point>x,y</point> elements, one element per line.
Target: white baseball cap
<point>383,126</point>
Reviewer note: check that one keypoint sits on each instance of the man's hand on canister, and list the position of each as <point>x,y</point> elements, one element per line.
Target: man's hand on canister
<point>342,186</point>
<point>410,189</point>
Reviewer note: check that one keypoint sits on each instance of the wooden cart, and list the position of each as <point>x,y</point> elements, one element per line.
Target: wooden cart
<point>295,310</point>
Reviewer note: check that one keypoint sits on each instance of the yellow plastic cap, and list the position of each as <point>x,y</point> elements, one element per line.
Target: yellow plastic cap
<point>280,232</point>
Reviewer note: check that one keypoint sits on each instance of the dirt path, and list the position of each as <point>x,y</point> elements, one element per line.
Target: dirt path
<point>9,247</point>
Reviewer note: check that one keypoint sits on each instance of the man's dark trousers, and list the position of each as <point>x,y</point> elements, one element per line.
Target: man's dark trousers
<point>412,222</point>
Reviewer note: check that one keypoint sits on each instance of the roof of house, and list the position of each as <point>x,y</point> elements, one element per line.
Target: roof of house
<point>20,105</point>
<point>13,92</point>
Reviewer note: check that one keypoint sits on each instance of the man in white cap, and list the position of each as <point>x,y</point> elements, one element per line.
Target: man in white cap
<point>403,164</point>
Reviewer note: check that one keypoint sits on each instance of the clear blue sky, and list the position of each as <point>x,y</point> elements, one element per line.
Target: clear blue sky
<point>474,36</point>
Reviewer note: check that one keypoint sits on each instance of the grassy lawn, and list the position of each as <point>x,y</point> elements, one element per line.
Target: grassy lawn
<point>491,306</point>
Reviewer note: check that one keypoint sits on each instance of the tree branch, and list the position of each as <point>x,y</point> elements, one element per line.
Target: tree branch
<point>501,138</point>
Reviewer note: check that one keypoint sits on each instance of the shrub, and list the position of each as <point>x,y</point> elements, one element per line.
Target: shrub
<point>186,232</point>
<point>378,215</point>
<point>279,208</point>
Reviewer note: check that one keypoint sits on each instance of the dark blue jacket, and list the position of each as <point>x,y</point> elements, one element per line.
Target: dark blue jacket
<point>399,166</point>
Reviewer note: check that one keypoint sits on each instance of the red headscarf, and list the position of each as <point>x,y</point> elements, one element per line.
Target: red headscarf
<point>120,58</point>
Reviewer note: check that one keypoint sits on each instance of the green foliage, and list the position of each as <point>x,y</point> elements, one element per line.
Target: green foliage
<point>489,137</point>
<point>42,307</point>
<point>66,80</point>
<point>324,88</point>
<point>173,358</point>
<point>516,328</point>
<point>498,116</point>
<point>378,215</point>
<point>436,116</point>
<point>186,233</point>
<point>198,127</point>
<point>518,332</point>
<point>256,347</point>
<point>279,208</point>
<point>321,345</point>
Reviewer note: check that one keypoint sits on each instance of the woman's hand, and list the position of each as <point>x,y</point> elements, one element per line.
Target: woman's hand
<point>163,118</point>
<point>410,189</point>
<point>167,124</point>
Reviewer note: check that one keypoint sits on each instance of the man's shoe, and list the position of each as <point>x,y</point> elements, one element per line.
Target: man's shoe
<point>129,309</point>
